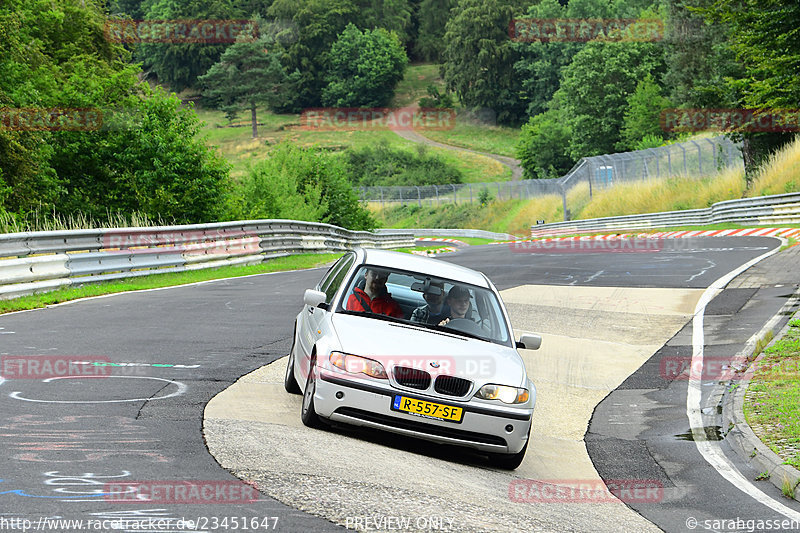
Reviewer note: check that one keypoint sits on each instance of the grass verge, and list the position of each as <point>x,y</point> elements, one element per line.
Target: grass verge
<point>293,262</point>
<point>772,402</point>
<point>475,241</point>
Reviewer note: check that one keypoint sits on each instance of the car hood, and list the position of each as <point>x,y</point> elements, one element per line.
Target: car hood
<point>393,343</point>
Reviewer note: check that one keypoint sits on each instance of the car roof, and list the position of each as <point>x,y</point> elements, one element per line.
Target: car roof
<point>424,265</point>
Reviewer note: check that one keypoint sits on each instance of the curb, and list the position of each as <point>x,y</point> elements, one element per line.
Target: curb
<point>746,443</point>
<point>684,234</point>
<point>441,239</point>
<point>437,251</point>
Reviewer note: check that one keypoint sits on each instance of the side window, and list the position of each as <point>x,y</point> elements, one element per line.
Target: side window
<point>337,278</point>
<point>331,273</point>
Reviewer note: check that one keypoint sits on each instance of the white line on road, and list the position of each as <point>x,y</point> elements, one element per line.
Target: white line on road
<point>710,450</point>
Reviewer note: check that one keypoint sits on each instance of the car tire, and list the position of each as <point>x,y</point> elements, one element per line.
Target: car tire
<point>307,413</point>
<point>289,381</point>
<point>509,461</point>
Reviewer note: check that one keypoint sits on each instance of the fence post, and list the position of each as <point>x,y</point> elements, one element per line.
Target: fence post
<point>382,205</point>
<point>419,197</point>
<point>455,199</point>
<point>437,194</point>
<point>699,157</point>
<point>470,192</point>
<point>564,202</point>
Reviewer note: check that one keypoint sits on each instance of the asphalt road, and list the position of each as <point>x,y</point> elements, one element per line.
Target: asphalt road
<point>64,440</point>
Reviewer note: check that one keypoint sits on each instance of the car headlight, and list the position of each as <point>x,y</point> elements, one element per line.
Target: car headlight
<point>503,393</point>
<point>355,364</point>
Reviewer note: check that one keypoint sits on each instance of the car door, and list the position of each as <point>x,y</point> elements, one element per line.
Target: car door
<point>311,326</point>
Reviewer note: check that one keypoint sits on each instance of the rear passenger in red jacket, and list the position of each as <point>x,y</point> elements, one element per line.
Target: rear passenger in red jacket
<point>374,298</point>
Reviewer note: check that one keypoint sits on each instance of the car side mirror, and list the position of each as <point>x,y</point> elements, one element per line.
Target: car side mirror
<point>529,342</point>
<point>314,298</point>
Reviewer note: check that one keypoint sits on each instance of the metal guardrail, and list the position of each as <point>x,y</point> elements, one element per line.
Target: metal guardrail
<point>777,209</point>
<point>35,262</point>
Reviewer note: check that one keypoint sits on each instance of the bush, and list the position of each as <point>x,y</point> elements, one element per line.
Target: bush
<point>300,184</point>
<point>383,165</point>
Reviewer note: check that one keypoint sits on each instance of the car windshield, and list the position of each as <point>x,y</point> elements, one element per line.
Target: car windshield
<point>426,301</point>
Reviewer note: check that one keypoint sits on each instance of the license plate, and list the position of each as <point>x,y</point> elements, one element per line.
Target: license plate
<point>427,409</point>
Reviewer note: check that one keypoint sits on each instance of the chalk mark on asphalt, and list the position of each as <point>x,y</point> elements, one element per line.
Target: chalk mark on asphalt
<point>181,389</point>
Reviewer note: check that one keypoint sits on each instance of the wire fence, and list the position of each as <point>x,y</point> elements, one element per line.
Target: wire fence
<point>700,158</point>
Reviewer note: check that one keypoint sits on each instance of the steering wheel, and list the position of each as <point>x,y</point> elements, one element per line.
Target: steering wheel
<point>466,325</point>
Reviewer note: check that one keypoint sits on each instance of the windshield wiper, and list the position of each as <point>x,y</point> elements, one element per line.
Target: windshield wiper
<point>378,316</point>
<point>437,327</point>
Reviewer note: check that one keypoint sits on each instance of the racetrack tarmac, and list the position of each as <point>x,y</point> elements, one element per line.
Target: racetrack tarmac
<point>593,339</point>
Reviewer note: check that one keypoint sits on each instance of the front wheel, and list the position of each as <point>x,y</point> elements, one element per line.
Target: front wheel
<point>508,461</point>
<point>289,381</point>
<point>308,415</point>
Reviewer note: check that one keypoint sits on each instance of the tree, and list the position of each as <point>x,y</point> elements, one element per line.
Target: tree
<point>764,35</point>
<point>433,16</point>
<point>595,89</point>
<point>479,58</point>
<point>642,117</point>
<point>540,63</point>
<point>543,146</point>
<point>363,68</point>
<point>247,74</point>
<point>391,15</point>
<point>146,156</point>
<point>179,64</point>
<point>699,58</point>
<point>315,27</point>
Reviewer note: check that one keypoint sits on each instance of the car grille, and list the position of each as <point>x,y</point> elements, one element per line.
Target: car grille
<point>412,377</point>
<point>452,386</point>
<point>422,427</point>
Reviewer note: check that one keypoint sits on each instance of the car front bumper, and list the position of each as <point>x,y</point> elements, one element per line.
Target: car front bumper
<point>368,403</point>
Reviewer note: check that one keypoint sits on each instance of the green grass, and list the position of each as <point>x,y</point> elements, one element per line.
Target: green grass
<point>293,262</point>
<point>492,139</point>
<point>241,150</point>
<point>772,403</point>
<point>415,84</point>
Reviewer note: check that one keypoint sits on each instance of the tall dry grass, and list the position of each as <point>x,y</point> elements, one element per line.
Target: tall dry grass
<point>668,195</point>
<point>47,221</point>
<point>780,174</point>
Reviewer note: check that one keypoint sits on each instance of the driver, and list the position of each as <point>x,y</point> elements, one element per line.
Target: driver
<point>458,299</point>
<point>374,298</point>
